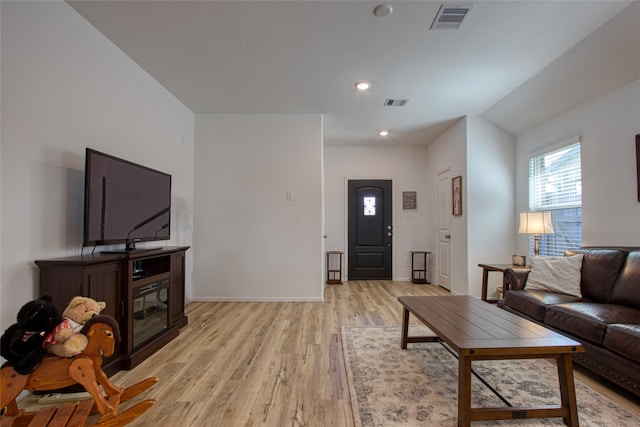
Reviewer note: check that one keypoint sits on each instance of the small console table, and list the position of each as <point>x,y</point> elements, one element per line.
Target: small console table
<point>418,274</point>
<point>486,268</point>
<point>334,276</point>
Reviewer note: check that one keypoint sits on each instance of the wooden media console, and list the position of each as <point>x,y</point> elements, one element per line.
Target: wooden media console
<point>144,292</point>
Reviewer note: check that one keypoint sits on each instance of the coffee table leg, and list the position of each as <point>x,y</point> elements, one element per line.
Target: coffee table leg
<point>464,391</point>
<point>567,389</point>
<point>405,329</point>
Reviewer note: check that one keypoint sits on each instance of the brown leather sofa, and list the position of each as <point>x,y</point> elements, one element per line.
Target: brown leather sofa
<point>606,320</point>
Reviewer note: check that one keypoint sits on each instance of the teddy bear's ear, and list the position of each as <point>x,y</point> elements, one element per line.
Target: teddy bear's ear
<point>46,297</point>
<point>102,305</point>
<point>76,301</point>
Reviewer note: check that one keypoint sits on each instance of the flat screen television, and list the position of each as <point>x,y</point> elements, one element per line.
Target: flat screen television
<point>124,202</point>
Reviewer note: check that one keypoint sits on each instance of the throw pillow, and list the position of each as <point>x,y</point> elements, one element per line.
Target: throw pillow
<point>556,274</point>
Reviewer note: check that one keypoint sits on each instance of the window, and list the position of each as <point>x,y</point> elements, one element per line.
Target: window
<point>555,185</point>
<point>369,206</point>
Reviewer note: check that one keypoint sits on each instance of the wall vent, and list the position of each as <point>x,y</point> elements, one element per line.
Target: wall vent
<point>395,102</point>
<point>451,16</point>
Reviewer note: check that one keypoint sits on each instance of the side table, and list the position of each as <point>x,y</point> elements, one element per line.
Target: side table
<point>334,275</point>
<point>486,268</point>
<point>418,274</point>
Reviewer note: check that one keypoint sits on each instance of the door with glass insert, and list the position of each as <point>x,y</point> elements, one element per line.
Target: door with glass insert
<point>370,229</point>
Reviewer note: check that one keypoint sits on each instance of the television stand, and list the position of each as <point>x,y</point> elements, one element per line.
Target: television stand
<point>144,291</point>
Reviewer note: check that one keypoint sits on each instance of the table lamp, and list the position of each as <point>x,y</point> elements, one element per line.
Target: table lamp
<point>535,223</point>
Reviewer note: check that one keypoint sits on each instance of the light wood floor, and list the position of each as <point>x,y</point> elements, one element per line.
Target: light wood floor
<point>271,363</point>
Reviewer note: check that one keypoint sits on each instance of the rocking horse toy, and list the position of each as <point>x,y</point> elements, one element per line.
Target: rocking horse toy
<point>56,372</point>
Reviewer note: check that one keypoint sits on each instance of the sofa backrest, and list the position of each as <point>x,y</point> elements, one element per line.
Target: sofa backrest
<point>626,291</point>
<point>600,270</point>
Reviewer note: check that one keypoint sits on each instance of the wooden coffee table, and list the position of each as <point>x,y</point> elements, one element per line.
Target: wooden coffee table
<point>476,330</point>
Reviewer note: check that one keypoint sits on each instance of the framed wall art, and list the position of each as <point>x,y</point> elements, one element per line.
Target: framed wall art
<point>457,195</point>
<point>519,260</point>
<point>409,200</point>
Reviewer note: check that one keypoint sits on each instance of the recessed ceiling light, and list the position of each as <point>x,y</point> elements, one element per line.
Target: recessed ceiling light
<point>362,85</point>
<point>383,133</point>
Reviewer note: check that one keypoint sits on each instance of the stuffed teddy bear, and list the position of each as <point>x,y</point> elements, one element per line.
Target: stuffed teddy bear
<point>65,340</point>
<point>22,344</point>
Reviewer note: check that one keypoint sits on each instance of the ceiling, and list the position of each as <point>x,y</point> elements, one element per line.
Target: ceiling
<point>272,57</point>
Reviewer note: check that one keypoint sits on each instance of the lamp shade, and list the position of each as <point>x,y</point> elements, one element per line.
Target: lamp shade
<point>535,223</point>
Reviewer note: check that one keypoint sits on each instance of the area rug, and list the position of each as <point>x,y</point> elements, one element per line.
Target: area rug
<point>389,386</point>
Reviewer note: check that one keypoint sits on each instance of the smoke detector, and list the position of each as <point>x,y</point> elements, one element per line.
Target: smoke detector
<point>382,10</point>
<point>451,16</point>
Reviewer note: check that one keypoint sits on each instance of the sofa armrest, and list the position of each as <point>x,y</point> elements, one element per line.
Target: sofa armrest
<point>514,280</point>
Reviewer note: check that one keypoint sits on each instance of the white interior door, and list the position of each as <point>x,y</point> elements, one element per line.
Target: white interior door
<point>443,255</point>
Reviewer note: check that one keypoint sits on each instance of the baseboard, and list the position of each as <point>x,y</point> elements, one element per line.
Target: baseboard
<point>256,299</point>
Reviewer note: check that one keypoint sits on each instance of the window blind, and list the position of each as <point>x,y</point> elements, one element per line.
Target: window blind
<point>555,185</point>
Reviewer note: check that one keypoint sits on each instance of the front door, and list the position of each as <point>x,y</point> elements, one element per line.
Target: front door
<point>370,229</point>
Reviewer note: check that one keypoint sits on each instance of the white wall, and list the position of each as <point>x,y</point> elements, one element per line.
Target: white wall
<point>483,155</point>
<point>405,166</point>
<point>607,125</point>
<point>490,193</point>
<point>66,87</point>
<point>252,243</point>
<point>449,151</point>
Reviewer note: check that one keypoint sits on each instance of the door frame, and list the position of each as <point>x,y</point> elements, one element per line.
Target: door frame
<point>346,219</point>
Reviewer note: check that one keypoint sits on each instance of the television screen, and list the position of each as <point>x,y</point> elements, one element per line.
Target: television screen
<point>124,202</point>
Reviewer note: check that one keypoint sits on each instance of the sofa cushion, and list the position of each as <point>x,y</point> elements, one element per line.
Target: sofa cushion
<point>556,274</point>
<point>589,320</point>
<point>624,339</point>
<point>600,269</point>
<point>534,303</point>
<point>626,290</point>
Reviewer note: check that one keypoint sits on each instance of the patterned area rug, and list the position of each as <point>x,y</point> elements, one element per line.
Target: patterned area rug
<point>418,386</point>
